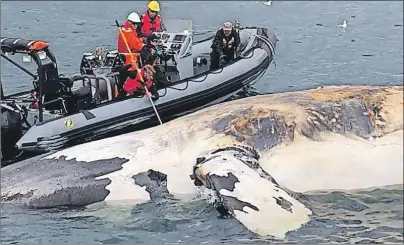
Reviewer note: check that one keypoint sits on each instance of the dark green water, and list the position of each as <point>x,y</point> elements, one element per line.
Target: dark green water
<point>312,51</point>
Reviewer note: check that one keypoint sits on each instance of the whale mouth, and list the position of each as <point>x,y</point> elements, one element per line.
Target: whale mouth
<point>247,193</point>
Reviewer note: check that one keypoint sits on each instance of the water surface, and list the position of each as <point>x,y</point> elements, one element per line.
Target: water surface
<point>312,51</point>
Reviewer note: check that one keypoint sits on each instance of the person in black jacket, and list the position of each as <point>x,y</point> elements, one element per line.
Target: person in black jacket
<point>224,45</point>
<point>150,53</point>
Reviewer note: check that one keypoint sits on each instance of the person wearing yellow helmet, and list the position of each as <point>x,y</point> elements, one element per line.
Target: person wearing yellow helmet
<point>151,20</point>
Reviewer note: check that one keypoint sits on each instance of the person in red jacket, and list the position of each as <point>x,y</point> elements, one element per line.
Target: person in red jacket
<point>129,30</point>
<point>133,80</point>
<point>151,20</point>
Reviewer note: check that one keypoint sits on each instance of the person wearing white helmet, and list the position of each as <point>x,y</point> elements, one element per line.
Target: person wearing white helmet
<point>130,30</point>
<point>128,72</point>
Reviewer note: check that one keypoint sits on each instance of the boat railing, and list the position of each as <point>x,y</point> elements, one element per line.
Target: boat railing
<point>55,100</point>
<point>96,79</point>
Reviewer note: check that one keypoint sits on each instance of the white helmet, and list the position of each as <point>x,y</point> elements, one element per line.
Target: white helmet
<point>134,17</point>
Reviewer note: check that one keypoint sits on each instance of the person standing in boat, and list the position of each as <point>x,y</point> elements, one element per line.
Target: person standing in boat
<point>129,29</point>
<point>224,45</point>
<point>151,20</point>
<point>130,32</point>
<point>149,55</point>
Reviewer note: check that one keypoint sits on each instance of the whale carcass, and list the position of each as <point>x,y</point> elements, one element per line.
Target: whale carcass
<point>155,162</point>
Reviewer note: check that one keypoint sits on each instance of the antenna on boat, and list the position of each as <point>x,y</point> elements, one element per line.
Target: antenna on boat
<point>139,71</point>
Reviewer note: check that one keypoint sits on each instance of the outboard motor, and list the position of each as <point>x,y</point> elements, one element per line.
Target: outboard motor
<point>11,132</point>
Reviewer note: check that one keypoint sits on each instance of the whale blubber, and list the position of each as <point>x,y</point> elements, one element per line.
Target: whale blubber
<point>364,111</point>
<point>379,101</point>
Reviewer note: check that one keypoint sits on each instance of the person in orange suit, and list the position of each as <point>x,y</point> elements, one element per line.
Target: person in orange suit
<point>130,30</point>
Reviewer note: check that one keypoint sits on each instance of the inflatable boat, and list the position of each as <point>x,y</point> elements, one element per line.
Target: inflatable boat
<point>61,111</point>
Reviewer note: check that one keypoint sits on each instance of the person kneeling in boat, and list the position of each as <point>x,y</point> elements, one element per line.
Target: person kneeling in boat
<point>150,53</point>
<point>135,86</point>
<point>130,31</point>
<point>224,45</point>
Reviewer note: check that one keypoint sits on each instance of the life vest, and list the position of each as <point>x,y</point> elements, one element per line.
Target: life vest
<point>133,84</point>
<point>135,43</point>
<point>150,25</point>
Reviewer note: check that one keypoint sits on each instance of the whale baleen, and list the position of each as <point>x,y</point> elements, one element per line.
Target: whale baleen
<point>307,140</point>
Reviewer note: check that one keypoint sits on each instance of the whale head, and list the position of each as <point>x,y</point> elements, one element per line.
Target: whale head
<point>248,193</point>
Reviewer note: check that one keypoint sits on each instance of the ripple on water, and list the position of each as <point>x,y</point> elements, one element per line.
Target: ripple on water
<point>307,56</point>
<point>170,221</point>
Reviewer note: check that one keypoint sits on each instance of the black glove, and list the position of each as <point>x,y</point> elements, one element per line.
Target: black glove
<point>223,58</point>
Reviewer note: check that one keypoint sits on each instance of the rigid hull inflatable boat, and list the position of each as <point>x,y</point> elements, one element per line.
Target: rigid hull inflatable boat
<point>83,107</point>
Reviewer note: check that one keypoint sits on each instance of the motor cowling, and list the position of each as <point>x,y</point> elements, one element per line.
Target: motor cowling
<point>11,132</point>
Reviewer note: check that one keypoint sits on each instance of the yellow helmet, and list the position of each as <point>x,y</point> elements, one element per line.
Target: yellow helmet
<point>154,6</point>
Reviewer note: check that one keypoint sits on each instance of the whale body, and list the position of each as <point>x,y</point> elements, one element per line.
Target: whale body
<point>157,162</point>
<point>248,193</point>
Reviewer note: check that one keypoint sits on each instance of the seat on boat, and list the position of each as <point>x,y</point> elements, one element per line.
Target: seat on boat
<point>105,89</point>
<point>57,91</point>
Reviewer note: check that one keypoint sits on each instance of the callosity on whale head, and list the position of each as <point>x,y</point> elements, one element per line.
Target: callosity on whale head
<point>248,193</point>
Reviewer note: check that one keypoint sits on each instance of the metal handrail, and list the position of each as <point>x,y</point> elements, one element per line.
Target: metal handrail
<point>97,78</point>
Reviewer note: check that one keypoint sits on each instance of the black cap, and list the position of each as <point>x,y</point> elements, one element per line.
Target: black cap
<point>152,37</point>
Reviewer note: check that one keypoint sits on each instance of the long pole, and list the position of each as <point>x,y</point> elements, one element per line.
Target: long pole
<point>138,70</point>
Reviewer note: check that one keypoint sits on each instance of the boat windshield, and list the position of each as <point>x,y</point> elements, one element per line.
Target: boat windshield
<point>177,25</point>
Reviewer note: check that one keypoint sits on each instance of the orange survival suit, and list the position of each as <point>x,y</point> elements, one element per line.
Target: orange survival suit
<point>135,43</point>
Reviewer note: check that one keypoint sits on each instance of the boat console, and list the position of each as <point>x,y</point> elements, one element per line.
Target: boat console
<point>177,61</point>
